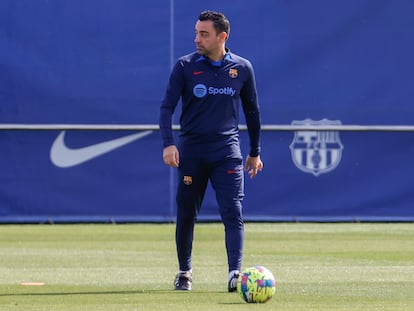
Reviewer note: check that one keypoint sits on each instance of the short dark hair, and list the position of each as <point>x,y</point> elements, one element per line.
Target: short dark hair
<point>220,22</point>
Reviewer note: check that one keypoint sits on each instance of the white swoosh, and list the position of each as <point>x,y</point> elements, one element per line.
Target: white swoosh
<point>63,156</point>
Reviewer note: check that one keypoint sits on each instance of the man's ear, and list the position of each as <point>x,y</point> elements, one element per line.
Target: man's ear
<point>224,36</point>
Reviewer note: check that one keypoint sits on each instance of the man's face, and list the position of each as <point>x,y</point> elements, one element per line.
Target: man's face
<point>207,41</point>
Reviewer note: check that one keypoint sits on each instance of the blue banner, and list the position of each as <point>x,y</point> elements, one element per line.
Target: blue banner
<point>317,64</point>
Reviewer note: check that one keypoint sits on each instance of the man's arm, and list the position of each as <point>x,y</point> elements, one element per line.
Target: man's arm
<point>248,96</point>
<point>169,103</point>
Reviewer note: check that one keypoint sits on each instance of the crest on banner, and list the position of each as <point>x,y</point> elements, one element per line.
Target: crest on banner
<point>316,151</point>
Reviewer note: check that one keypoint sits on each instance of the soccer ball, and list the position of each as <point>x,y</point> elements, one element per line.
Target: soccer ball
<point>256,285</point>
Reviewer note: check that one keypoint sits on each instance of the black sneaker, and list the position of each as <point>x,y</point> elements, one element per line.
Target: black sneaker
<point>232,285</point>
<point>183,281</point>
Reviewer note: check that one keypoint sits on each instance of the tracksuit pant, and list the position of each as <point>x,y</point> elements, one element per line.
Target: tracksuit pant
<point>227,179</point>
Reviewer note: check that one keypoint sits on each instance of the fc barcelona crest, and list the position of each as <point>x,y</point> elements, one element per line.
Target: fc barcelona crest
<point>314,151</point>
<point>188,180</point>
<point>233,73</point>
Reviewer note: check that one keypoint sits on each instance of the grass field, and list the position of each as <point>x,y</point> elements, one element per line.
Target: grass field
<point>131,267</point>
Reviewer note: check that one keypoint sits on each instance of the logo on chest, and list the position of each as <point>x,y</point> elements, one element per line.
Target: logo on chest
<point>200,90</point>
<point>233,73</point>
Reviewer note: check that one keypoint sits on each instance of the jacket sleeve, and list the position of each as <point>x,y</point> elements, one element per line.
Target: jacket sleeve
<point>169,103</point>
<point>250,104</point>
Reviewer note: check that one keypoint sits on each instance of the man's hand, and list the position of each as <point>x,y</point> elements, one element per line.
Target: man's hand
<point>253,165</point>
<point>171,156</point>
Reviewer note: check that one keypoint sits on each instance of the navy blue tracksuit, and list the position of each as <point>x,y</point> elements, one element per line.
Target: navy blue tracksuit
<point>209,143</point>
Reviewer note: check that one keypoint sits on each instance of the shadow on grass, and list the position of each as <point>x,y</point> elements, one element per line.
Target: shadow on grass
<point>121,292</point>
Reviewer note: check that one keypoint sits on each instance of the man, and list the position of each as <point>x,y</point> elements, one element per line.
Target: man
<point>210,83</point>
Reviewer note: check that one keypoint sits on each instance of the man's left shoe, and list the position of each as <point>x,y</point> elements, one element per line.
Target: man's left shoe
<point>183,281</point>
<point>232,285</point>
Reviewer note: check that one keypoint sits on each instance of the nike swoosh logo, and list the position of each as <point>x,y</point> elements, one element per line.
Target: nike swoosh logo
<point>196,73</point>
<point>63,156</point>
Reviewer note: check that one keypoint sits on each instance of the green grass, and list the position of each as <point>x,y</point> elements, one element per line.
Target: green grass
<point>131,267</point>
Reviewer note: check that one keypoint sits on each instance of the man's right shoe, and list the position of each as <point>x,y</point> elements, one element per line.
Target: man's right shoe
<point>183,281</point>
<point>232,285</point>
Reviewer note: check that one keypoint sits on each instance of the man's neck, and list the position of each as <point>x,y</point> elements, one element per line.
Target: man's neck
<point>217,57</point>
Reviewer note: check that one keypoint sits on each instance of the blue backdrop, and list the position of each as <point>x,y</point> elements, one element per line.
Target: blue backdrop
<point>107,62</point>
